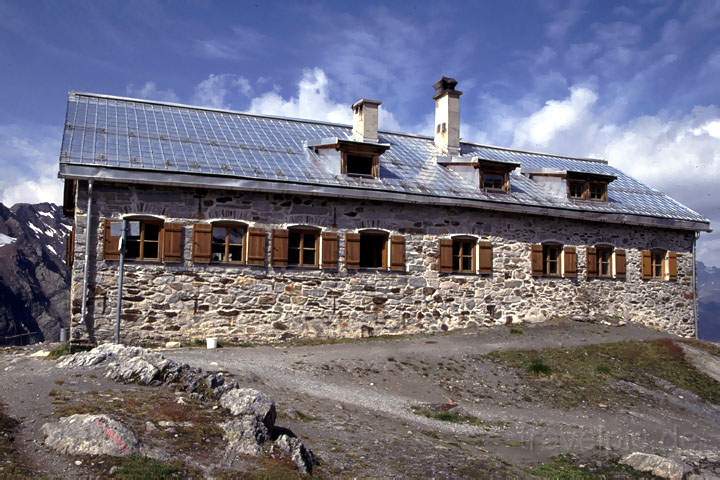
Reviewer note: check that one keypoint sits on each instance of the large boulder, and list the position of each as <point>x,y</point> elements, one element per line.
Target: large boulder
<point>98,355</point>
<point>248,401</point>
<point>659,466</point>
<point>294,449</point>
<point>244,435</point>
<point>90,435</point>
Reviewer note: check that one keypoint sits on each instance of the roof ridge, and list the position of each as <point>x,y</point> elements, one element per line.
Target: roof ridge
<point>532,152</point>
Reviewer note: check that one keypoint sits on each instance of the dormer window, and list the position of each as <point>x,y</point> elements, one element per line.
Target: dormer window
<point>359,165</point>
<point>495,176</point>
<point>494,181</point>
<point>588,186</point>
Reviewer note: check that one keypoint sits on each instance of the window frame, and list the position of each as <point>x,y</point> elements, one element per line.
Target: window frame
<point>490,171</point>
<point>302,231</point>
<point>373,158</point>
<point>662,255</point>
<point>547,249</point>
<point>602,185</point>
<point>142,241</point>
<point>227,244</point>
<point>461,241</point>
<point>583,190</point>
<point>384,251</point>
<point>599,251</point>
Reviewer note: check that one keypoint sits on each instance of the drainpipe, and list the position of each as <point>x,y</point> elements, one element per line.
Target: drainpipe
<point>694,284</point>
<point>86,267</point>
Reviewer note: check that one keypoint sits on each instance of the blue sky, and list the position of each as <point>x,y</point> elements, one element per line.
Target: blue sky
<point>637,83</point>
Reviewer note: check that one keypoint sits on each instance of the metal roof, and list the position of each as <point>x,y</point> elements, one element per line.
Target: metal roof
<point>107,132</point>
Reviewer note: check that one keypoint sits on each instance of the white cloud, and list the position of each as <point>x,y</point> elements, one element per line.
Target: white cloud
<point>29,159</point>
<point>150,91</point>
<point>216,88</point>
<point>676,153</point>
<point>240,43</point>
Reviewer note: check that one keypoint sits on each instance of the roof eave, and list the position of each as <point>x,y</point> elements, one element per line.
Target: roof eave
<point>188,180</point>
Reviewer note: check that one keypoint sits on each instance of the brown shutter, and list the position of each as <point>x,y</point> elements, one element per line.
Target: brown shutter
<point>570,267</point>
<point>646,264</point>
<point>592,265</point>
<point>70,248</point>
<point>536,258</point>
<point>619,263</point>
<point>110,243</point>
<point>279,248</point>
<point>202,243</point>
<point>172,242</point>
<point>330,250</point>
<point>397,253</point>
<point>486,257</point>
<point>446,255</point>
<point>256,246</point>
<point>352,251</point>
<point>672,265</point>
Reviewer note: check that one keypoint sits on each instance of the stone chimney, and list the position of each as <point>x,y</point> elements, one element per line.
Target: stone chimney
<point>365,120</point>
<point>447,116</point>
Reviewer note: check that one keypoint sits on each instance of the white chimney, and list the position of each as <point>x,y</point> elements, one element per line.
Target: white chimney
<point>447,116</point>
<point>365,120</point>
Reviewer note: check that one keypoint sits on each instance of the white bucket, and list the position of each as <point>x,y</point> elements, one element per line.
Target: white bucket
<point>211,343</point>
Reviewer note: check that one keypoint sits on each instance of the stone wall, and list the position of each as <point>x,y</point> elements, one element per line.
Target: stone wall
<point>241,303</point>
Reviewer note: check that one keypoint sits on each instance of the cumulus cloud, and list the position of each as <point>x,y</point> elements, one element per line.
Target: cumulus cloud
<point>676,153</point>
<point>150,91</point>
<point>29,156</point>
<point>216,89</point>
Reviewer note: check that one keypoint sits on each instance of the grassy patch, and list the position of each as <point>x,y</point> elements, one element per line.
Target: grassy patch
<point>11,465</point>
<point>565,467</point>
<point>144,468</point>
<point>585,374</point>
<point>516,331</point>
<point>448,415</point>
<point>59,351</point>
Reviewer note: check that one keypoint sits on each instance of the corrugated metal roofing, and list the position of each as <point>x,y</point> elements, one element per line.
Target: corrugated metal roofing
<point>105,131</point>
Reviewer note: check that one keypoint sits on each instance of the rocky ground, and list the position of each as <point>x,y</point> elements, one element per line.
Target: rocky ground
<point>547,401</point>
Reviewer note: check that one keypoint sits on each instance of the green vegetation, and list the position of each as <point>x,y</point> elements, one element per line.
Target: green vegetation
<point>143,468</point>
<point>516,331</point>
<point>565,467</point>
<point>11,466</point>
<point>572,376</point>
<point>60,351</point>
<point>447,415</point>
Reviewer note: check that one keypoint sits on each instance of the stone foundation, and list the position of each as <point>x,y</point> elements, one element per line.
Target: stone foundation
<point>185,301</point>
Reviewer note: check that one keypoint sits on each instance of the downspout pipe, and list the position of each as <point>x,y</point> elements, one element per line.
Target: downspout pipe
<point>694,284</point>
<point>86,267</point>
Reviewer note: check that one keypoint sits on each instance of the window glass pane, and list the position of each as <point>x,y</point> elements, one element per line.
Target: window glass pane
<point>576,189</point>
<point>309,257</point>
<point>235,253</point>
<point>218,234</point>
<point>132,248</point>
<point>294,239</point>
<point>358,165</point>
<point>237,234</point>
<point>294,256</point>
<point>493,181</point>
<point>218,252</point>
<point>371,250</point>
<point>150,250</point>
<point>309,240</point>
<point>467,264</point>
<point>152,232</point>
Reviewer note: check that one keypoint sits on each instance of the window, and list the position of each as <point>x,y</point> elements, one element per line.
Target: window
<point>463,255</point>
<point>143,240</point>
<point>551,260</point>
<point>493,181</point>
<point>658,263</point>
<point>302,247</point>
<point>604,258</point>
<point>576,189</point>
<point>598,191</point>
<point>373,249</point>
<point>228,242</point>
<point>359,165</point>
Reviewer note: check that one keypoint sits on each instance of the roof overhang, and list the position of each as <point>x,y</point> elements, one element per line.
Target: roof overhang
<point>187,180</point>
<point>348,145</point>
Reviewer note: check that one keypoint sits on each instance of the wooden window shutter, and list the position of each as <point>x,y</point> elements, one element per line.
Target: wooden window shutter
<point>672,265</point>
<point>536,258</point>
<point>592,266</point>
<point>646,264</point>
<point>446,255</point>
<point>279,248</point>
<point>570,260</point>
<point>256,246</point>
<point>486,257</point>
<point>619,263</point>
<point>330,249</point>
<point>397,253</point>
<point>172,242</point>
<point>352,251</point>
<point>202,243</point>
<point>70,248</point>
<point>110,243</point>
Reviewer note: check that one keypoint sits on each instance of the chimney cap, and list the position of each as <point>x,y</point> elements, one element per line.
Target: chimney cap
<point>446,85</point>
<point>368,101</point>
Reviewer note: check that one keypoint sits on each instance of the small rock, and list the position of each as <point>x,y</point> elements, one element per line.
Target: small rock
<point>248,401</point>
<point>173,344</point>
<point>78,462</point>
<point>244,436</point>
<point>150,427</point>
<point>659,466</point>
<point>293,448</point>
<point>90,435</point>
<point>40,353</point>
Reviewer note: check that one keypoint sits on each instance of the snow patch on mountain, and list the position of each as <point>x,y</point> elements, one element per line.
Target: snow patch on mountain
<point>6,240</point>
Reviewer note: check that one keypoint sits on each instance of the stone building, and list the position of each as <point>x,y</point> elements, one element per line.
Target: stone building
<point>249,227</point>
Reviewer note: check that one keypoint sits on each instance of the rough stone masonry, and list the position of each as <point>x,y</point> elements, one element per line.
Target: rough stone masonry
<point>185,300</point>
